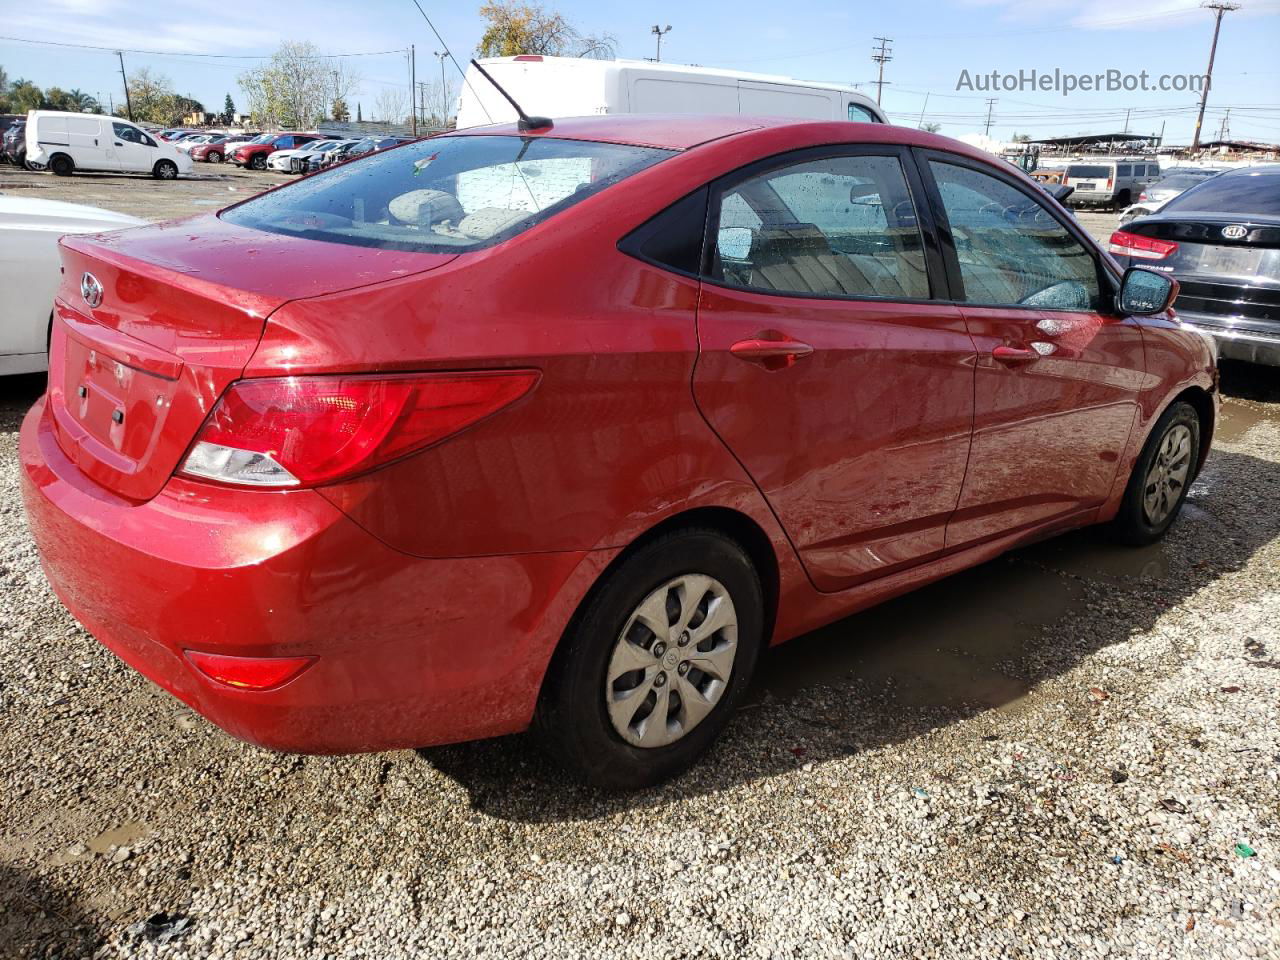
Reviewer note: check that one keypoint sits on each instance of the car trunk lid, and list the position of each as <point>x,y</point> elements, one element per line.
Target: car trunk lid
<point>179,311</point>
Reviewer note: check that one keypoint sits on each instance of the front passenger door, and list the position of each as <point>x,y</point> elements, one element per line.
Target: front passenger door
<point>135,151</point>
<point>1058,374</point>
<point>825,365</point>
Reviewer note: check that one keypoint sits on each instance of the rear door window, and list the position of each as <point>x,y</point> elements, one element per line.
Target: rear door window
<point>1124,170</point>
<point>841,226</point>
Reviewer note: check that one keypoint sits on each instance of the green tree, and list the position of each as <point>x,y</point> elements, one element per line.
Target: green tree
<point>290,90</point>
<point>228,110</point>
<point>25,95</point>
<point>930,127</point>
<point>82,102</point>
<point>340,112</point>
<point>513,28</point>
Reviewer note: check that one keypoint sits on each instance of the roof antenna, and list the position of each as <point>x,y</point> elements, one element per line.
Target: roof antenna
<point>526,122</point>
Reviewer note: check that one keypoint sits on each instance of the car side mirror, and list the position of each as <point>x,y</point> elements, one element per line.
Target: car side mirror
<point>734,243</point>
<point>1061,191</point>
<point>1145,292</point>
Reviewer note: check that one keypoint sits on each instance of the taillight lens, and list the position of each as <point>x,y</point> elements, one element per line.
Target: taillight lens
<point>1144,248</point>
<point>310,430</point>
<point>248,673</point>
<point>1142,195</point>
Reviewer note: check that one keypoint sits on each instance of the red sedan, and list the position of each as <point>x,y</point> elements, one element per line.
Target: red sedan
<point>561,428</point>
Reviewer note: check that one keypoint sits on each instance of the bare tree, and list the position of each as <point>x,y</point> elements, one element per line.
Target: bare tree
<point>392,105</point>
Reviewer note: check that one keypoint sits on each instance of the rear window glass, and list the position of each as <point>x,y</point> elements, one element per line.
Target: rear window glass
<point>444,195</point>
<point>1236,193</point>
<point>1096,173</point>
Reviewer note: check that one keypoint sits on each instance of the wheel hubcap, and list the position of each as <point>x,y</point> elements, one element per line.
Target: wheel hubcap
<point>1167,478</point>
<point>672,662</point>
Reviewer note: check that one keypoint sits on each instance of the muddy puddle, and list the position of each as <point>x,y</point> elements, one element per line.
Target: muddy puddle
<point>955,643</point>
<point>1237,419</point>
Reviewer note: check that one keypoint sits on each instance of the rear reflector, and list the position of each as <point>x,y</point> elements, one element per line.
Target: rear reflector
<point>248,673</point>
<point>306,431</point>
<point>1144,248</point>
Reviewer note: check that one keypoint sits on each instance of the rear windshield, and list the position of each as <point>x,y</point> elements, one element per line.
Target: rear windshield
<point>1180,182</point>
<point>1237,193</point>
<point>1087,173</point>
<point>444,195</point>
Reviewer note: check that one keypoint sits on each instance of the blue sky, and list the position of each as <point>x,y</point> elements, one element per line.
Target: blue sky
<point>810,39</point>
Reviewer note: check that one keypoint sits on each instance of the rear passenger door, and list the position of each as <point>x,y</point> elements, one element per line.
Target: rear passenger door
<point>826,364</point>
<point>1058,372</point>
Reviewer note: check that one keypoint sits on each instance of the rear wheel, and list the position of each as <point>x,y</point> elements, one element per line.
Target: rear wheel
<point>165,170</point>
<point>214,158</point>
<point>1158,486</point>
<point>652,668</point>
<point>61,165</point>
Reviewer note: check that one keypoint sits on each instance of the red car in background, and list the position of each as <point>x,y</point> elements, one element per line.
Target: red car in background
<point>216,150</point>
<point>562,427</point>
<point>254,154</point>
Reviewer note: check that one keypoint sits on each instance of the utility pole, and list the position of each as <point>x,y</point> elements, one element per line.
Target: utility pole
<point>442,56</point>
<point>991,102</point>
<point>920,125</point>
<point>881,56</point>
<point>1162,123</point>
<point>1226,125</point>
<point>1126,119</point>
<point>659,33</point>
<point>1219,7</point>
<point>413,85</point>
<point>127,101</point>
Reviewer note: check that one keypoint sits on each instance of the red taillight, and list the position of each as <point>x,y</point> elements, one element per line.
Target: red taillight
<point>1144,248</point>
<point>1142,195</point>
<point>306,431</point>
<point>1109,183</point>
<point>248,673</point>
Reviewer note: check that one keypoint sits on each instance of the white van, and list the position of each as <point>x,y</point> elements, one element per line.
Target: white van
<point>575,87</point>
<point>67,142</point>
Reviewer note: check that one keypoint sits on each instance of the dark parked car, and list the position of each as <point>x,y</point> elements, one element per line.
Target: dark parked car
<point>1221,241</point>
<point>13,143</point>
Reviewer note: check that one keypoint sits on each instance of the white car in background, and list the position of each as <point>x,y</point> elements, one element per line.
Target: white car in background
<point>30,271</point>
<point>1156,195</point>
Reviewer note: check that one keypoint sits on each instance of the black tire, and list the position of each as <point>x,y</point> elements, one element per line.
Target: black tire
<point>214,157</point>
<point>61,165</point>
<point>1133,524</point>
<point>572,719</point>
<point>1123,199</point>
<point>165,170</point>
<point>259,162</point>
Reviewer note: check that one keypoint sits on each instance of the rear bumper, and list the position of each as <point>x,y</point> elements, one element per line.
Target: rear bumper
<point>1232,342</point>
<point>409,651</point>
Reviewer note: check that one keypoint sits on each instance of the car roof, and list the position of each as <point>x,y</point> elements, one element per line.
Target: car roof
<point>1266,170</point>
<point>671,131</point>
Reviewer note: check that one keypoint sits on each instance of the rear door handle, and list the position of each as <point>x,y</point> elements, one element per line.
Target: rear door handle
<point>1014,355</point>
<point>771,354</point>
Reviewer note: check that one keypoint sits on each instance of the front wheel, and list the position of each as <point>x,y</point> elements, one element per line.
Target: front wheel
<point>214,158</point>
<point>259,162</point>
<point>651,670</point>
<point>1164,471</point>
<point>165,170</point>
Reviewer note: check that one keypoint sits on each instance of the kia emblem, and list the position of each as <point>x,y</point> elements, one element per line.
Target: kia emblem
<point>91,290</point>
<point>1235,232</point>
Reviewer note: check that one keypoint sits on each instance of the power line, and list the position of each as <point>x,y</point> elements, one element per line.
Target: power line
<point>182,53</point>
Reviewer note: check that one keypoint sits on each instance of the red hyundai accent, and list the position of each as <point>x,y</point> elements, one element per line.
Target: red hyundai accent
<point>561,428</point>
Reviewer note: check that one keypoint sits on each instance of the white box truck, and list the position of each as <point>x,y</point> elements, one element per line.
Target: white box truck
<point>67,142</point>
<point>575,87</point>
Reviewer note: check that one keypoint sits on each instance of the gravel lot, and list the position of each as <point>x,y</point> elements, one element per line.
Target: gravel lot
<point>1072,751</point>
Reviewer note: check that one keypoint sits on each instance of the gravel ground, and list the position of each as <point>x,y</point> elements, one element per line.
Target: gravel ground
<point>1072,751</point>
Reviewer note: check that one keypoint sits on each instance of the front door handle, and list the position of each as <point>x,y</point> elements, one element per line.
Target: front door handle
<point>775,354</point>
<point>1014,355</point>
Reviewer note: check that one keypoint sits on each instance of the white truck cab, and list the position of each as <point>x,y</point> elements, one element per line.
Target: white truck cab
<point>575,87</point>
<point>67,142</point>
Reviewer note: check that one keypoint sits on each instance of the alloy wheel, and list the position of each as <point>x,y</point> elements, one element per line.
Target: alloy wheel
<point>1167,477</point>
<point>672,662</point>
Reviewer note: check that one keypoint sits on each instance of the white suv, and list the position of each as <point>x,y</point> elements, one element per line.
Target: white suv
<point>1107,182</point>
